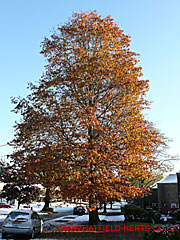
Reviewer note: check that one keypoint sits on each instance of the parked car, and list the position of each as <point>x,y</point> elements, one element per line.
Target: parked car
<point>5,205</point>
<point>22,221</point>
<point>25,207</point>
<point>79,210</point>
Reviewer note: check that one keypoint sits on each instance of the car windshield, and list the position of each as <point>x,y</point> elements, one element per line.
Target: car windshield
<point>13,215</point>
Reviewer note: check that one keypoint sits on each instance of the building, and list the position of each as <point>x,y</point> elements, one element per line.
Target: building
<point>168,192</point>
<point>165,194</point>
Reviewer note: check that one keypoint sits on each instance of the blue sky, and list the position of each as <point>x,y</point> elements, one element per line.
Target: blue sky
<point>154,27</point>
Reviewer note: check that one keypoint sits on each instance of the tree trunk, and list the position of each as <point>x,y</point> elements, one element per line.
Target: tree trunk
<point>105,211</point>
<point>143,204</point>
<point>19,203</point>
<point>111,205</point>
<point>47,200</point>
<point>93,217</point>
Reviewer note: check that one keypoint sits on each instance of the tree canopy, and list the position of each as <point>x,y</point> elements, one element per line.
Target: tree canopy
<point>83,128</point>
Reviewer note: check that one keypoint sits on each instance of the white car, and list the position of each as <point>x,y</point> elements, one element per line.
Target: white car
<point>22,222</point>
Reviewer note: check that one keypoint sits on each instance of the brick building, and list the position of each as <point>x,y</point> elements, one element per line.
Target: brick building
<point>165,194</point>
<point>168,192</point>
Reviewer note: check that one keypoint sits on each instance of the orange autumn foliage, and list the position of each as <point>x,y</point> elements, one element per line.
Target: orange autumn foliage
<point>83,128</point>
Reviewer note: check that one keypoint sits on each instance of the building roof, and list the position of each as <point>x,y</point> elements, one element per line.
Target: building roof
<point>171,178</point>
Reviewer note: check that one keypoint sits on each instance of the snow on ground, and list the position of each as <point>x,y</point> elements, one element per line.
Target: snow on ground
<point>58,207</point>
<point>6,211</point>
<point>52,225</point>
<point>37,206</point>
<point>108,210</point>
<point>62,207</point>
<point>85,218</point>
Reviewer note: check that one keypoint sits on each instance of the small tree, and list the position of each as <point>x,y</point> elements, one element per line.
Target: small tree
<point>18,187</point>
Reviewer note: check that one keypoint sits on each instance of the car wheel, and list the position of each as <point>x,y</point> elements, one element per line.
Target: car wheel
<point>4,235</point>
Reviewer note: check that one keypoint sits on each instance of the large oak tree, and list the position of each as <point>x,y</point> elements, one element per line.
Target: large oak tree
<point>83,122</point>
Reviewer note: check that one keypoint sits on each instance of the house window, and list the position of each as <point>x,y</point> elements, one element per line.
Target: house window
<point>173,205</point>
